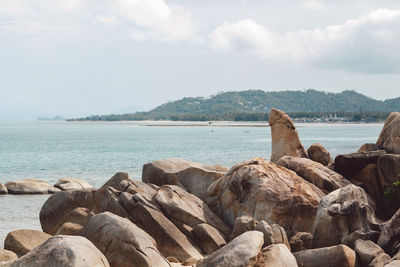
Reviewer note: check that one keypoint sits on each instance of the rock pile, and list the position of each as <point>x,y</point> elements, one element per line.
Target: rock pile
<point>298,210</point>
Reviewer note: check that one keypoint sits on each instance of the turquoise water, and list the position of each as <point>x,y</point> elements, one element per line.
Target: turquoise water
<point>95,151</point>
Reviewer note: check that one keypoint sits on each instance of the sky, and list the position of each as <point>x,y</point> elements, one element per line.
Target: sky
<point>80,57</point>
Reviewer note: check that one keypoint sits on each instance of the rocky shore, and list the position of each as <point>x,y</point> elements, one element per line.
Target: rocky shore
<point>301,208</point>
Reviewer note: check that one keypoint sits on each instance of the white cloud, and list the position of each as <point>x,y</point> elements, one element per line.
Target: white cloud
<point>366,44</point>
<point>313,4</point>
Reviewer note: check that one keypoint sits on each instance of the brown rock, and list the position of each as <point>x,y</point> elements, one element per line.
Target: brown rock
<point>7,255</point>
<point>314,172</point>
<point>273,234</point>
<point>389,138</point>
<point>341,213</point>
<point>116,180</point>
<point>30,186</point>
<point>267,192</point>
<point>64,251</point>
<point>300,241</point>
<point>380,260</point>
<point>122,242</point>
<point>350,164</point>
<point>367,251</point>
<point>69,228</point>
<point>340,255</point>
<point>72,184</point>
<point>236,253</point>
<point>320,154</point>
<point>23,241</point>
<point>209,239</point>
<point>193,177</point>
<point>369,147</point>
<point>390,232</point>
<point>369,180</point>
<point>388,170</point>
<point>243,224</point>
<point>78,216</point>
<point>3,189</point>
<point>273,255</point>
<point>285,140</point>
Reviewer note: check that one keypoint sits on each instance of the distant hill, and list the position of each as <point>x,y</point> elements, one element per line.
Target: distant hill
<point>223,105</point>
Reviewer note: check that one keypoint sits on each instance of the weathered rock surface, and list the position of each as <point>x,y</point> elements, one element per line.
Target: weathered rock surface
<point>208,238</point>
<point>273,234</point>
<point>193,177</point>
<point>350,164</point>
<point>184,208</point>
<point>369,147</point>
<point>267,192</point>
<point>341,213</point>
<point>285,140</point>
<point>3,189</point>
<point>368,179</point>
<point>380,260</point>
<point>319,153</point>
<point>274,255</point>
<point>30,186</point>
<point>389,170</point>
<point>122,242</point>
<point>238,252</point>
<point>390,233</point>
<point>314,172</point>
<point>7,255</point>
<point>78,216</point>
<point>116,180</point>
<point>300,241</point>
<point>243,224</point>
<point>389,138</point>
<point>23,241</point>
<point>340,255</point>
<point>367,251</point>
<point>64,251</point>
<point>72,184</point>
<point>69,228</point>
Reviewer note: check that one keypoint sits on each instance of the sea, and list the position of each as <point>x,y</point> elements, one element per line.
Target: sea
<point>94,151</point>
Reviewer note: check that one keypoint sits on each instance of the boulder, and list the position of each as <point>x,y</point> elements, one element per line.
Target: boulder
<point>208,238</point>
<point>388,170</point>
<point>368,179</point>
<point>238,252</point>
<point>314,172</point>
<point>380,260</point>
<point>23,241</point>
<point>78,216</point>
<point>193,177</point>
<point>341,213</point>
<point>265,191</point>
<point>69,228</point>
<point>369,147</point>
<point>273,234</point>
<point>3,189</point>
<point>285,140</point>
<point>340,255</point>
<point>64,251</point>
<point>116,180</point>
<point>182,207</point>
<point>72,184</point>
<point>243,224</point>
<point>361,235</point>
<point>395,263</point>
<point>274,255</point>
<point>350,164</point>
<point>7,255</point>
<point>171,242</point>
<point>30,186</point>
<point>320,154</point>
<point>390,233</point>
<point>300,241</point>
<point>389,138</point>
<point>122,242</point>
<point>367,251</point>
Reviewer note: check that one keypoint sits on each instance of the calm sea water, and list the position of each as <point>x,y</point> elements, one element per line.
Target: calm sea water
<point>95,151</point>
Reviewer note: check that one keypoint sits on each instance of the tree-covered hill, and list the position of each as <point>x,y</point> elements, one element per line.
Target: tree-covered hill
<point>230,105</point>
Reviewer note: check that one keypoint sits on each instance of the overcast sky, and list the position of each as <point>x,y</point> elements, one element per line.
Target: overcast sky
<point>78,57</point>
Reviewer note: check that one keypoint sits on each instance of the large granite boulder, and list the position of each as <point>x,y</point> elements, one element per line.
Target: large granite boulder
<point>72,184</point>
<point>300,241</point>
<point>236,253</point>
<point>367,251</point>
<point>314,172</point>
<point>369,147</point>
<point>341,213</point>
<point>23,241</point>
<point>285,140</point>
<point>243,224</point>
<point>340,255</point>
<point>78,216</point>
<point>193,177</point>
<point>184,208</point>
<point>389,138</point>
<point>368,179</point>
<point>390,235</point>
<point>265,191</point>
<point>3,189</point>
<point>388,170</point>
<point>7,256</point>
<point>320,154</point>
<point>274,255</point>
<point>30,186</point>
<point>208,238</point>
<point>122,242</point>
<point>350,164</point>
<point>273,234</point>
<point>64,251</point>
